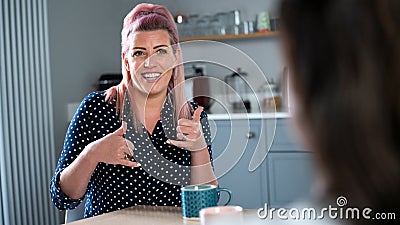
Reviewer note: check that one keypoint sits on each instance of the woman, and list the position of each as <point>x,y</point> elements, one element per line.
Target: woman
<point>346,80</point>
<point>170,148</point>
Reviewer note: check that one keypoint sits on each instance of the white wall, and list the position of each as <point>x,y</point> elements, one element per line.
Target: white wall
<point>85,43</point>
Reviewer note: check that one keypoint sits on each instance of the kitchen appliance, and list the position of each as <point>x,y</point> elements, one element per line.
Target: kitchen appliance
<point>108,80</point>
<point>237,91</point>
<point>201,89</point>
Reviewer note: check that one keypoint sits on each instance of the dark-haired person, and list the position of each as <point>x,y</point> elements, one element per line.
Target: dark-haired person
<point>345,76</point>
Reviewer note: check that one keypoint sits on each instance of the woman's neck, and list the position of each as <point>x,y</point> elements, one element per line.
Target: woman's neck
<point>147,108</point>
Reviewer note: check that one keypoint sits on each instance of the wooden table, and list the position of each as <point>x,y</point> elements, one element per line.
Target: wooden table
<point>152,215</point>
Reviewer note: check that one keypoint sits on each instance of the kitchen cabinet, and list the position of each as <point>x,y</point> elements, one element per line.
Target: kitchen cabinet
<point>289,166</point>
<point>247,187</point>
<point>289,177</point>
<point>283,177</point>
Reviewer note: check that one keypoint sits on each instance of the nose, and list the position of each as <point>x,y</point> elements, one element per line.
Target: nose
<point>147,62</point>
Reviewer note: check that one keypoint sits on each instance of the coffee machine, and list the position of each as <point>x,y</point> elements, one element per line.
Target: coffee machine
<point>237,91</point>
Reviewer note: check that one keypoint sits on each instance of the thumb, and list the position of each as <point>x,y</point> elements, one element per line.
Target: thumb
<point>197,113</point>
<point>121,131</point>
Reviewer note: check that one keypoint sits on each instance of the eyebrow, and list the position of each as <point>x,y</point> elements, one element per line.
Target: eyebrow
<point>155,47</point>
<point>159,46</point>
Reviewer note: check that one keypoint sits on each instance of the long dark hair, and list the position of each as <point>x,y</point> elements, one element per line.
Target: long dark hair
<point>344,56</point>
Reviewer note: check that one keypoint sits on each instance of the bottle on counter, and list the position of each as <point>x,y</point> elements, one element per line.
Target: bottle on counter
<point>270,96</point>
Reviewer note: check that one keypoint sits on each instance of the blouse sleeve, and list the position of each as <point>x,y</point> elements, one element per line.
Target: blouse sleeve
<point>77,137</point>
<point>207,134</point>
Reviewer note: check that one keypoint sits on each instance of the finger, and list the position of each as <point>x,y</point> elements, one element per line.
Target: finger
<point>197,113</point>
<point>128,157</point>
<point>121,130</point>
<point>186,144</point>
<point>178,129</point>
<point>125,162</point>
<point>181,136</point>
<point>189,130</point>
<point>186,122</point>
<point>123,152</point>
<point>127,154</point>
<point>181,144</point>
<point>130,146</point>
<point>121,155</point>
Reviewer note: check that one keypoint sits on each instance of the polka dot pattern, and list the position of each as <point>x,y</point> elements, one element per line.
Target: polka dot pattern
<point>164,169</point>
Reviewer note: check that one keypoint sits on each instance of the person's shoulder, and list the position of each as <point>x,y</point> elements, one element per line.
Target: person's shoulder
<point>95,103</point>
<point>95,96</point>
<point>95,99</point>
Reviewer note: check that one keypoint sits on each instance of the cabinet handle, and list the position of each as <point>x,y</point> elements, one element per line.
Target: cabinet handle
<point>250,135</point>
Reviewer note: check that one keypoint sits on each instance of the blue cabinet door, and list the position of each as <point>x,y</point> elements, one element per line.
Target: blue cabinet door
<point>233,146</point>
<point>290,177</point>
<point>289,166</point>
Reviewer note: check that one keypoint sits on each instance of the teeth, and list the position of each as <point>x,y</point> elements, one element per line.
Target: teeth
<point>151,76</point>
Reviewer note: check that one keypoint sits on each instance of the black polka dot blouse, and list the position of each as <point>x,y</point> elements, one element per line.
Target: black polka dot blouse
<point>164,168</point>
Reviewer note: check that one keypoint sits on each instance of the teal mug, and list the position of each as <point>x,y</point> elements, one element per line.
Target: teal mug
<point>196,197</point>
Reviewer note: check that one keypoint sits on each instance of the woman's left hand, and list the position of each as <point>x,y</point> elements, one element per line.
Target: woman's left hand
<point>190,133</point>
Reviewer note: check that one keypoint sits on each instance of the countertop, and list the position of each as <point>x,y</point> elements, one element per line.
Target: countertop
<point>155,215</point>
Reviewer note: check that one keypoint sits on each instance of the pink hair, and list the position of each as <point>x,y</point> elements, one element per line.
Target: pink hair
<point>149,17</point>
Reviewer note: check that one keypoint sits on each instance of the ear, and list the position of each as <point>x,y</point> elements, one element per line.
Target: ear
<point>125,61</point>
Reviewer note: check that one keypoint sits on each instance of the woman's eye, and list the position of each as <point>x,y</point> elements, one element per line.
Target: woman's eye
<point>161,51</point>
<point>137,53</point>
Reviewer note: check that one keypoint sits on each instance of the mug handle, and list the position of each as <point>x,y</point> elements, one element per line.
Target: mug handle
<point>227,191</point>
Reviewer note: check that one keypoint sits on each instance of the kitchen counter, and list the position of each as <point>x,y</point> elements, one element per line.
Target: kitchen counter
<point>155,215</point>
<point>277,115</point>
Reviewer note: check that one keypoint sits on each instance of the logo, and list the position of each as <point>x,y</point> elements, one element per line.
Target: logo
<point>331,212</point>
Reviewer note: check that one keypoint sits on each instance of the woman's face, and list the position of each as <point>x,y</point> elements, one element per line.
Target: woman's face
<point>150,60</point>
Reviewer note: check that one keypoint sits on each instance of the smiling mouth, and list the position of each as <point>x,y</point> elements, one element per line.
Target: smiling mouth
<point>151,76</point>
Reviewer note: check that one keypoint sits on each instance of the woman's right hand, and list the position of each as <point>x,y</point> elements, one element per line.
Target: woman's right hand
<point>112,149</point>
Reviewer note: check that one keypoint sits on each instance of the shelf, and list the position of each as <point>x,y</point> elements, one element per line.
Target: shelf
<point>232,36</point>
<point>263,115</point>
